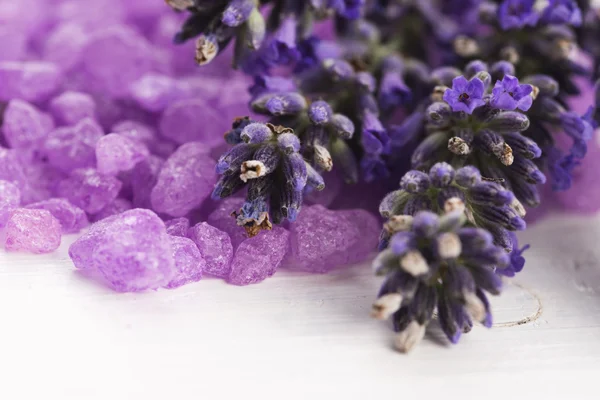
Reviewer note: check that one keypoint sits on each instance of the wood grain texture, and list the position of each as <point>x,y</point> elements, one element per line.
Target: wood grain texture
<point>63,336</point>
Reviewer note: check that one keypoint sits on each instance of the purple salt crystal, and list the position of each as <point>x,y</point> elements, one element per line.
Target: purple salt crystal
<point>369,227</point>
<point>33,231</point>
<point>10,198</point>
<point>118,206</point>
<point>72,147</point>
<point>135,131</point>
<point>114,58</point>
<point>87,13</point>
<point>116,153</point>
<point>72,219</point>
<point>190,120</point>
<point>143,179</point>
<point>154,92</point>
<point>29,81</point>
<point>11,169</point>
<point>221,218</point>
<point>259,257</point>
<point>64,45</point>
<point>322,239</point>
<point>71,107</point>
<point>215,247</point>
<point>185,181</point>
<point>89,190</point>
<point>13,44</point>
<point>23,125</point>
<point>131,250</point>
<point>188,262</point>
<point>178,226</point>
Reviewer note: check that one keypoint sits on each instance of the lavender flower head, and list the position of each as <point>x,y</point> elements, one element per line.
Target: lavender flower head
<point>465,95</point>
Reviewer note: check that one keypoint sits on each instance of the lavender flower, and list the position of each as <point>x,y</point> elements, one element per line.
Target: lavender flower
<point>516,14</point>
<point>562,12</point>
<point>435,264</point>
<point>508,94</point>
<point>465,95</point>
<point>266,160</point>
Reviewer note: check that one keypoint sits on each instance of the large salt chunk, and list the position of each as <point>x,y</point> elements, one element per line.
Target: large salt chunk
<point>259,257</point>
<point>89,190</point>
<point>369,227</point>
<point>72,219</point>
<point>323,239</point>
<point>135,131</point>
<point>131,250</point>
<point>23,125</point>
<point>73,147</point>
<point>29,81</point>
<point>194,119</point>
<point>116,153</point>
<point>114,58</point>
<point>222,219</point>
<point>215,247</point>
<point>188,262</point>
<point>185,180</point>
<point>34,231</point>
<point>71,107</point>
<point>178,226</point>
<point>10,198</point>
<point>64,44</point>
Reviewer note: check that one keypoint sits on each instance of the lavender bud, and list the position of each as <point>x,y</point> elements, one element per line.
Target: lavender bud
<point>226,186</point>
<point>439,113</point>
<point>323,158</point>
<point>466,47</point>
<point>475,67</point>
<point>487,279</point>
<point>529,171</point>
<point>237,12</point>
<point>269,156</point>
<point>233,158</point>
<point>402,242</point>
<point>366,82</point>
<point>490,193</point>
<point>441,174</point>
<point>291,202</point>
<point>444,75</point>
<point>427,149</point>
<point>286,104</point>
<point>414,263</point>
<point>256,133</point>
<point>207,48</point>
<point>504,216</point>
<point>508,122</point>
<point>338,70</point>
<point>256,29</point>
<point>458,146</point>
<point>467,176</point>
<point>252,169</point>
<point>289,143</point>
<point>386,305</point>
<point>295,171</point>
<point>392,203</point>
<point>384,262</point>
<point>415,182</point>
<point>314,179</point>
<point>474,306</point>
<point>545,84</point>
<point>501,68</point>
<point>523,145</point>
<point>409,337</point>
<point>342,126</point>
<point>475,239</point>
<point>320,113</point>
<point>426,224</point>
<point>416,204</point>
<point>448,245</point>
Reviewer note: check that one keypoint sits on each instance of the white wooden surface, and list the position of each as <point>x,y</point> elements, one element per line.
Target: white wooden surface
<point>294,336</point>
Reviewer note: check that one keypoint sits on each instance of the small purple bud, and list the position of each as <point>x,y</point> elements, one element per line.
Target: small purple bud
<point>509,121</point>
<point>425,223</point>
<point>289,143</point>
<point>237,12</point>
<point>441,174</point>
<point>338,70</point>
<point>320,112</point>
<point>490,193</point>
<point>342,126</point>
<point>415,182</point>
<point>256,132</point>
<point>467,176</point>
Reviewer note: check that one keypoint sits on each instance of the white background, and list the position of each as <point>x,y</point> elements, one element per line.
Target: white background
<point>297,336</point>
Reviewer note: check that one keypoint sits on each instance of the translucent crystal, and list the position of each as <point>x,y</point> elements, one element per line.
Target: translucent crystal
<point>188,262</point>
<point>10,198</point>
<point>131,250</point>
<point>72,219</point>
<point>30,81</point>
<point>195,119</point>
<point>89,190</point>
<point>215,247</point>
<point>116,153</point>
<point>34,231</point>
<point>71,107</point>
<point>23,125</point>
<point>185,181</point>
<point>178,226</point>
<point>259,257</point>
<point>143,179</point>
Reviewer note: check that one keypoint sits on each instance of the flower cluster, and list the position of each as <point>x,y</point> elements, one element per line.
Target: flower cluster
<point>436,264</point>
<point>266,159</point>
<point>467,100</point>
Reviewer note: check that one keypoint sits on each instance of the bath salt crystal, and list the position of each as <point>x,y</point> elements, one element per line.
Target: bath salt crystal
<point>33,231</point>
<point>23,125</point>
<point>72,219</point>
<point>178,226</point>
<point>89,190</point>
<point>32,81</point>
<point>215,248</point>
<point>71,107</point>
<point>188,262</point>
<point>10,198</point>
<point>116,153</point>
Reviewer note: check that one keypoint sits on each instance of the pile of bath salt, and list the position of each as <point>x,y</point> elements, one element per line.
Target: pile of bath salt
<point>111,131</point>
